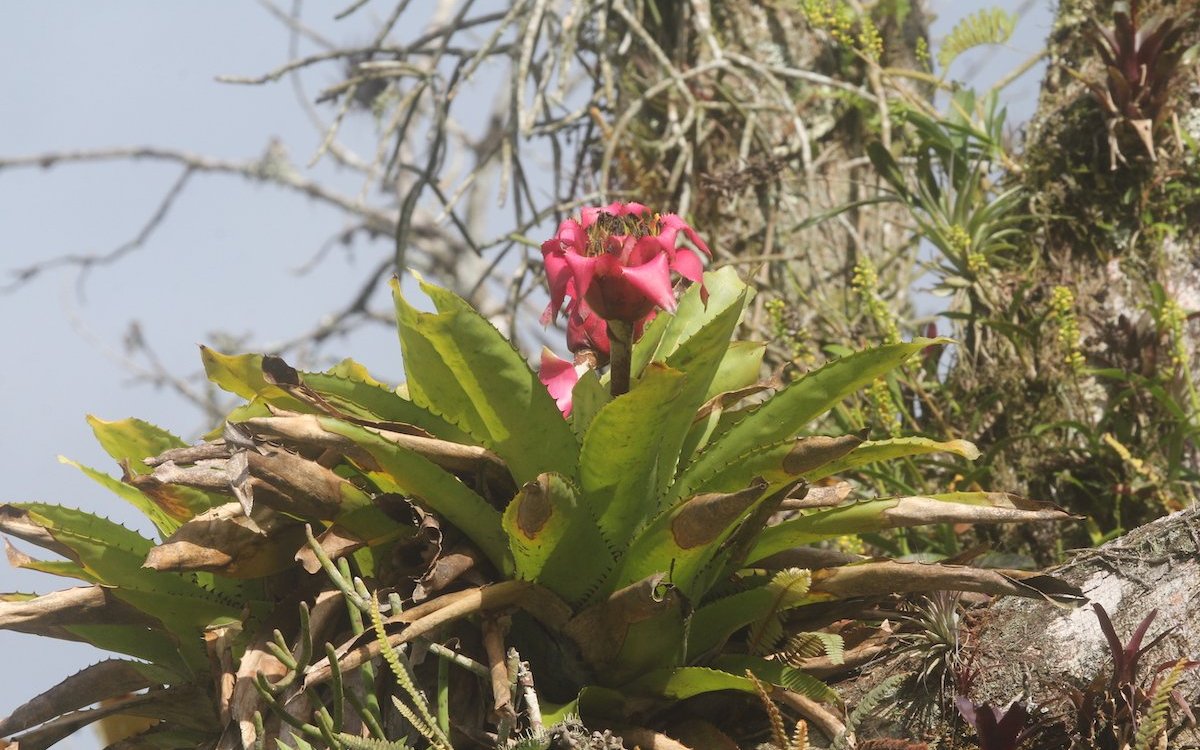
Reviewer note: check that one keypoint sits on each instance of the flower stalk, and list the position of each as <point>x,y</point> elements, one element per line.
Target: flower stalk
<point>620,337</point>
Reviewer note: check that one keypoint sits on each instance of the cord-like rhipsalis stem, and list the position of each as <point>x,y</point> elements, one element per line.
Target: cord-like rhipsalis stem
<point>453,657</point>
<point>325,724</point>
<point>395,606</point>
<point>340,581</point>
<point>279,649</point>
<point>443,700</point>
<point>264,691</point>
<point>295,660</point>
<point>368,708</point>
<point>336,686</point>
<point>368,713</point>
<point>361,588</point>
<point>260,732</point>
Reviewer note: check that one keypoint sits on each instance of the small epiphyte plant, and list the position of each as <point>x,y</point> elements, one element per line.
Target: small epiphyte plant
<point>879,701</point>
<point>1141,57</point>
<point>1118,710</point>
<point>935,641</point>
<point>996,728</point>
<point>952,197</point>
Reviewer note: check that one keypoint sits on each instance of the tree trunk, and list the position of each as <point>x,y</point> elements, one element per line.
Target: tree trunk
<point>765,139</point>
<point>1112,435</point>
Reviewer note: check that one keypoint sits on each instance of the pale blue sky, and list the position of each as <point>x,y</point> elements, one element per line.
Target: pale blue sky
<point>85,74</point>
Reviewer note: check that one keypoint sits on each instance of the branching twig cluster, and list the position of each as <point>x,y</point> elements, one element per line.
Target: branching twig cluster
<point>543,105</point>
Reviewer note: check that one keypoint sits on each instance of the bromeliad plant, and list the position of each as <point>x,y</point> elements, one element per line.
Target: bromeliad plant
<point>1120,708</point>
<point>996,728</point>
<point>645,549</point>
<point>1141,57</point>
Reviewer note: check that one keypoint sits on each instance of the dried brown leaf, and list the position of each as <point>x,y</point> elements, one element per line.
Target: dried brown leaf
<point>49,614</point>
<point>16,521</point>
<point>174,703</point>
<point>244,698</point>
<point>107,679</point>
<point>308,489</point>
<point>336,541</point>
<point>819,496</point>
<point>238,469</point>
<point>218,642</point>
<point>890,576</point>
<point>306,429</point>
<point>448,568</point>
<point>17,558</point>
<point>703,518</point>
<point>494,631</point>
<point>815,451</point>
<point>223,539</point>
<point>1002,507</point>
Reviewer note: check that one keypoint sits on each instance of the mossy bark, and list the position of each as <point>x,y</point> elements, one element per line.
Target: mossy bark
<point>1106,422</point>
<point>770,150</point>
<point>1114,433</point>
<point>1126,243</point>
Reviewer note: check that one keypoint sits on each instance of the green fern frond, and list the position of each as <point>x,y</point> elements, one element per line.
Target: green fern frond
<point>354,742</point>
<point>805,684</point>
<point>870,704</point>
<point>1154,723</point>
<point>986,26</point>
<point>809,645</point>
<point>789,587</point>
<point>766,634</point>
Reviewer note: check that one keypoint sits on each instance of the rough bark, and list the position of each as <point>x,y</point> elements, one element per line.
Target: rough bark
<point>1028,647</point>
<point>1022,649</point>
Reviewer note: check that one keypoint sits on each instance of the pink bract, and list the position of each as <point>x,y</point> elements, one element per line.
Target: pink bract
<point>619,259</point>
<point>587,330</point>
<point>559,376</point>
